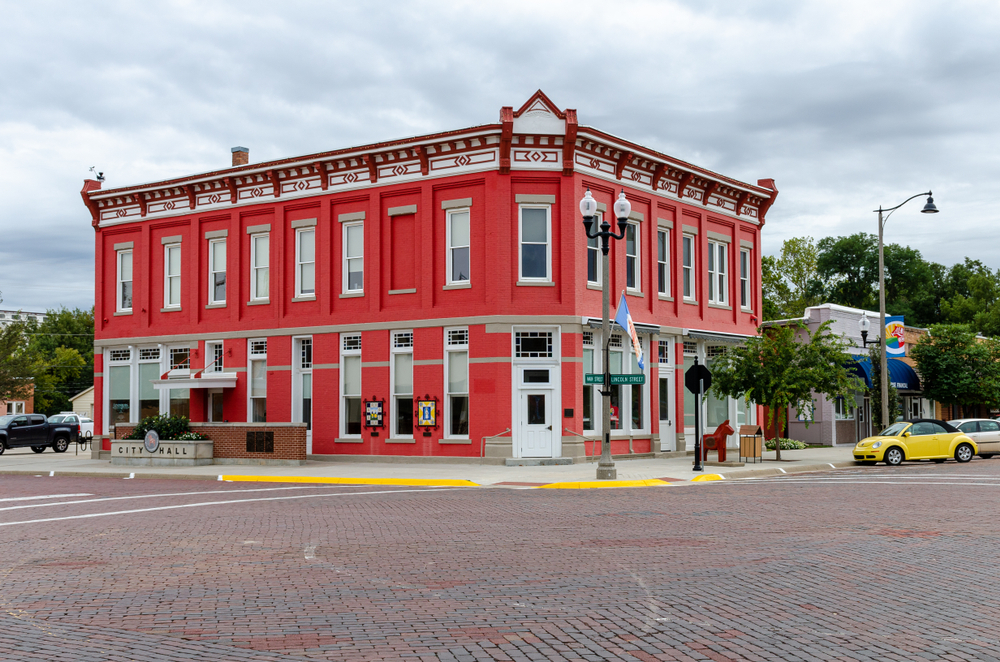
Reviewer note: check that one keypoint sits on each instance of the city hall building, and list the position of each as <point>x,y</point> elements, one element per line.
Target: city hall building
<point>435,296</point>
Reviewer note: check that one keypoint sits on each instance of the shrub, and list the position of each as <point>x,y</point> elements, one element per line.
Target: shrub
<point>168,427</point>
<point>786,444</point>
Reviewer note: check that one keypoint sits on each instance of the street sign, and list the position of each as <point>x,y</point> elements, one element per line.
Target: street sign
<point>695,374</point>
<point>615,379</point>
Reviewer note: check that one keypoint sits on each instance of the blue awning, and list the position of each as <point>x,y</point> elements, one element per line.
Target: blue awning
<point>901,375</point>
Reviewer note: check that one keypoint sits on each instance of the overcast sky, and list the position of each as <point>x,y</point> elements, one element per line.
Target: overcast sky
<point>846,105</point>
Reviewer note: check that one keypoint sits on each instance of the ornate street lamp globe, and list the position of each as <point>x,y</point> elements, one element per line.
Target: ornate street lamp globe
<point>622,206</point>
<point>930,207</point>
<point>864,324</point>
<point>588,206</point>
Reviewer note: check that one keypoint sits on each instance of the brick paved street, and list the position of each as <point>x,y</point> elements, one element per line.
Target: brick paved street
<point>865,564</point>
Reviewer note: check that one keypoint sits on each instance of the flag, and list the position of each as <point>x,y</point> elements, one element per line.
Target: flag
<point>623,318</point>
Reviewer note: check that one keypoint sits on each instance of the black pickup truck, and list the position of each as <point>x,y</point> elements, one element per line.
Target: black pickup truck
<point>32,430</point>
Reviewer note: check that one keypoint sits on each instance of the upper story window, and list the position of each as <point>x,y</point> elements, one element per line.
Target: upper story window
<point>718,286</point>
<point>745,278</point>
<point>687,255</point>
<point>172,276</point>
<point>536,247</point>
<point>594,255</point>
<point>217,271</point>
<point>260,253</point>
<point>305,262</point>
<point>354,257</point>
<point>124,293</point>
<point>459,244</point>
<point>663,262</point>
<point>632,262</point>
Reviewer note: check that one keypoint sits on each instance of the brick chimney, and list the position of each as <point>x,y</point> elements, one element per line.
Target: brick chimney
<point>241,156</point>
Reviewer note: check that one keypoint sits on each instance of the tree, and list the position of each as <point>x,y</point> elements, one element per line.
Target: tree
<point>64,343</point>
<point>956,368</point>
<point>17,363</point>
<point>797,266</point>
<point>849,267</point>
<point>780,370</point>
<point>775,290</point>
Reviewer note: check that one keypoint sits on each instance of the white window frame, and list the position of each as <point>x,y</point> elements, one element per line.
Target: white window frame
<point>548,244</point>
<point>131,281</point>
<point>395,351</point>
<point>688,252</point>
<point>636,228</point>
<point>344,352</point>
<point>664,263</point>
<point>211,366</point>
<point>449,350</point>
<point>167,276</point>
<point>451,248</point>
<point>301,265</point>
<point>596,248</point>
<point>15,407</point>
<point>254,355</point>
<point>347,258</point>
<point>746,303</point>
<point>718,281</point>
<point>299,370</point>
<point>255,266</point>
<point>214,269</point>
<point>625,410</point>
<point>596,400</point>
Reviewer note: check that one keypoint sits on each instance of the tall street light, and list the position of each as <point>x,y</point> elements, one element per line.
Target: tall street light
<point>588,207</point>
<point>929,208</point>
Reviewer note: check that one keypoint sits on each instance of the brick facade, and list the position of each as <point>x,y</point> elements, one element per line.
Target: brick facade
<point>229,440</point>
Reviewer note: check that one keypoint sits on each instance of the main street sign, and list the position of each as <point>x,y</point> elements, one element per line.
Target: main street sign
<point>615,379</point>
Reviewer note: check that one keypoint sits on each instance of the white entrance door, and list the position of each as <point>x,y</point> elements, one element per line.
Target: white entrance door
<point>536,423</point>
<point>668,426</point>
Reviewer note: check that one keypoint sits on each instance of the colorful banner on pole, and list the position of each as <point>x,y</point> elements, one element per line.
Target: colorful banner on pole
<point>623,318</point>
<point>894,342</point>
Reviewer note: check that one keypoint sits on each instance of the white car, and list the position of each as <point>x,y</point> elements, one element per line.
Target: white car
<point>984,431</point>
<point>72,418</point>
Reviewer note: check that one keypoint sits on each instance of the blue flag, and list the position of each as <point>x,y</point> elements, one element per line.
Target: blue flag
<point>623,318</point>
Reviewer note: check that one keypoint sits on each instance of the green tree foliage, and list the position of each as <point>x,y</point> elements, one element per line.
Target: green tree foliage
<point>18,364</point>
<point>789,280</point>
<point>780,370</point>
<point>875,392</point>
<point>849,267</point>
<point>776,290</point>
<point>64,347</point>
<point>956,368</point>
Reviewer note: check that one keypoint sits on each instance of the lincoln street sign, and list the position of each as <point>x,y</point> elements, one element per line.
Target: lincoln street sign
<point>615,379</point>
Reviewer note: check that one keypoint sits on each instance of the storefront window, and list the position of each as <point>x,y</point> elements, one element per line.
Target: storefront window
<point>120,393</point>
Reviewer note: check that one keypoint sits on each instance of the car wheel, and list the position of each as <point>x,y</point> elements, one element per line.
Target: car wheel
<point>60,445</point>
<point>894,456</point>
<point>963,453</point>
<point>3,447</point>
<point>38,449</point>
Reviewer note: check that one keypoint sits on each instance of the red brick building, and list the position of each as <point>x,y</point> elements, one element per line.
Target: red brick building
<point>450,268</point>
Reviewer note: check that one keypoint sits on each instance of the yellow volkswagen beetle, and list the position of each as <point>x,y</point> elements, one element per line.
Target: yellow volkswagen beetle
<point>916,439</point>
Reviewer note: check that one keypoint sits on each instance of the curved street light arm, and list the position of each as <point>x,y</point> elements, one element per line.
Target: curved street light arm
<point>892,209</point>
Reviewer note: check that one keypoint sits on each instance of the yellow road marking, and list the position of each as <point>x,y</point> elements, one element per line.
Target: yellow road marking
<point>708,477</point>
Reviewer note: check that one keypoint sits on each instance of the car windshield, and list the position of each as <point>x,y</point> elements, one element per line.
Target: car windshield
<point>894,430</point>
<point>58,418</point>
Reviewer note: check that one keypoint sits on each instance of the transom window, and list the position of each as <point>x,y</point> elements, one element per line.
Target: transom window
<point>149,354</point>
<point>258,347</point>
<point>458,337</point>
<point>533,344</point>
<point>180,358</point>
<point>121,355</point>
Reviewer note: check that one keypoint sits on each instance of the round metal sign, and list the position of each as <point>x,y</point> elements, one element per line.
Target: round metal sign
<point>151,442</point>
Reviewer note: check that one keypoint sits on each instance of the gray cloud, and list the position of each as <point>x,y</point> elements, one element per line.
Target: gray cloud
<point>847,105</point>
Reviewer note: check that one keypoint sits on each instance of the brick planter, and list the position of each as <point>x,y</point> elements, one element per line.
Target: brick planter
<point>247,443</point>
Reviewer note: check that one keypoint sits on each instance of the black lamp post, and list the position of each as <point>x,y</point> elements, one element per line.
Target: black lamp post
<point>588,207</point>
<point>929,208</point>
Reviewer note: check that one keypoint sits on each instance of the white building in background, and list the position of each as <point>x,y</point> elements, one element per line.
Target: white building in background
<point>8,316</point>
